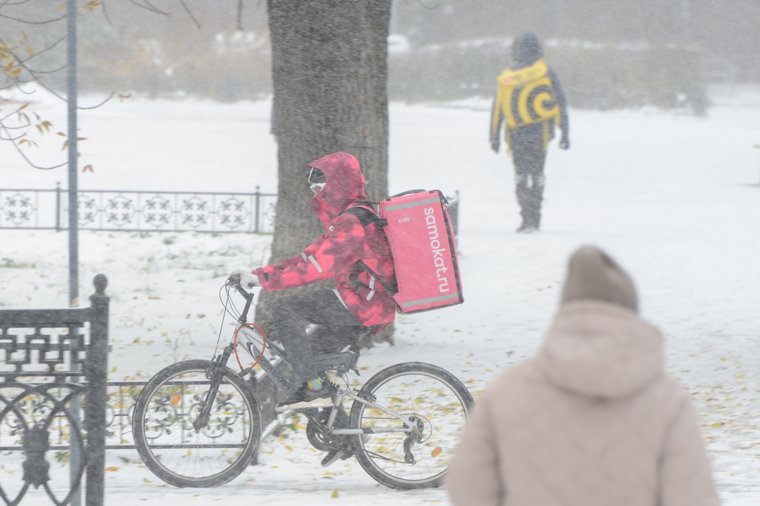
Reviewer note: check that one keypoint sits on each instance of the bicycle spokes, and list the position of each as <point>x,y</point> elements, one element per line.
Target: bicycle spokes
<point>412,427</point>
<point>195,432</point>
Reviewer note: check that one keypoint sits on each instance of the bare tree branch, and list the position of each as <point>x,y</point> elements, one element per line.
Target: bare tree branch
<point>100,104</point>
<point>41,83</point>
<point>10,3</point>
<point>16,111</point>
<point>7,133</point>
<point>148,6</point>
<point>105,13</point>
<point>52,71</point>
<point>32,22</point>
<point>17,127</point>
<point>43,51</point>
<point>31,73</point>
<point>14,142</point>
<point>190,13</point>
<point>17,84</point>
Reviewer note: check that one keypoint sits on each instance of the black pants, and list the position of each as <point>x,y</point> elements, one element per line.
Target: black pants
<point>529,157</point>
<point>336,328</point>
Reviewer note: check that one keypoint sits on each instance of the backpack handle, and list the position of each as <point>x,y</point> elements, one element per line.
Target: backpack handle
<point>407,193</point>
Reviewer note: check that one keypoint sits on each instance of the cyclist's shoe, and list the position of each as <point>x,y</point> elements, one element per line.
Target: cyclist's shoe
<point>335,455</point>
<point>305,398</point>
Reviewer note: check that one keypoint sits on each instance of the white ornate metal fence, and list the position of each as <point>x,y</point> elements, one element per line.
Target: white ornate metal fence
<point>140,211</point>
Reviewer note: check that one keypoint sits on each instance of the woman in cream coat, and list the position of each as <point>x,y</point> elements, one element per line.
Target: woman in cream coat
<point>592,419</point>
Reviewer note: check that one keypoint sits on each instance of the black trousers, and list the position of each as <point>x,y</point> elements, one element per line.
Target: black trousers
<point>336,328</point>
<point>529,157</point>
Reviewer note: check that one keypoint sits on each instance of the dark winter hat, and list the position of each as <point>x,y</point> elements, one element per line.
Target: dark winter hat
<point>526,49</point>
<point>592,274</point>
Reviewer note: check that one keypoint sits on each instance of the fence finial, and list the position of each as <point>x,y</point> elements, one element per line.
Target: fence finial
<point>100,281</point>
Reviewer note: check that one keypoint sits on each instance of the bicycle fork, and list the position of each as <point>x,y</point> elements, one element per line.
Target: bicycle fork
<point>214,374</point>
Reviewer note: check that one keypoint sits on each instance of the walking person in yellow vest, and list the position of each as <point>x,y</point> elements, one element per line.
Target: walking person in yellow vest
<point>530,98</point>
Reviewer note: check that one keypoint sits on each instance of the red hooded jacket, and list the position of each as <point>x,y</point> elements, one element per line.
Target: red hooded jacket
<point>346,242</point>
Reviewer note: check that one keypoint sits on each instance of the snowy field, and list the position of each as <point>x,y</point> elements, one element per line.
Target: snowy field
<point>674,198</point>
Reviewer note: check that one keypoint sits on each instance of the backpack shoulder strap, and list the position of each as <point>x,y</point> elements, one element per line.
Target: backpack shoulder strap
<point>366,214</point>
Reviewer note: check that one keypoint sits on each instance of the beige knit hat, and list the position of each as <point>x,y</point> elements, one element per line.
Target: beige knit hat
<point>592,274</point>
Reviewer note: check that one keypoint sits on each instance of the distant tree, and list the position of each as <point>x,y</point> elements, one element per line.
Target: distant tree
<point>329,75</point>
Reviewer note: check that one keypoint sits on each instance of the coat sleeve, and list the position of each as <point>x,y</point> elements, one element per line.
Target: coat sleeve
<point>564,121</point>
<point>332,253</point>
<point>685,473</point>
<point>473,476</point>
<point>496,118</point>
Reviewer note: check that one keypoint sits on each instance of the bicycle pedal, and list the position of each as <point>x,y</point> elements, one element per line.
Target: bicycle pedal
<point>335,455</point>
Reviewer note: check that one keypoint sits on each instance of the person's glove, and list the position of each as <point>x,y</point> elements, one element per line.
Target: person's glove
<point>247,279</point>
<point>564,142</point>
<point>495,145</point>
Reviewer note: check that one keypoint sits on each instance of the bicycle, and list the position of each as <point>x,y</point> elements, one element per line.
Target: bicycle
<point>197,423</point>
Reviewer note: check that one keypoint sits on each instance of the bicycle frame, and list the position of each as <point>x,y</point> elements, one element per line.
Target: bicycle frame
<point>408,427</point>
<point>409,423</point>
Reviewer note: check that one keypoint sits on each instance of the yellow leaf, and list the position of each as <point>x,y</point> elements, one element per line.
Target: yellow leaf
<point>436,451</point>
<point>176,398</point>
<point>112,469</point>
<point>334,494</point>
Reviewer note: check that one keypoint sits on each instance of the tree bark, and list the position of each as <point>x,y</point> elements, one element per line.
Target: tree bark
<point>329,75</point>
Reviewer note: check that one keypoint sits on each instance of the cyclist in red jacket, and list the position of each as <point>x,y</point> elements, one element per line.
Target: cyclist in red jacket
<point>353,252</point>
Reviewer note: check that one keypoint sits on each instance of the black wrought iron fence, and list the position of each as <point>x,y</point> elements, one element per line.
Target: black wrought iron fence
<point>122,397</point>
<point>139,211</point>
<point>53,362</point>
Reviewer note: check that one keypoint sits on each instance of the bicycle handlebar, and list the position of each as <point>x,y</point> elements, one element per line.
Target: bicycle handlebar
<point>234,281</point>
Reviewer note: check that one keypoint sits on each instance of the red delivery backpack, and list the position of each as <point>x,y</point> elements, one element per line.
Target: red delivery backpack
<point>422,243</point>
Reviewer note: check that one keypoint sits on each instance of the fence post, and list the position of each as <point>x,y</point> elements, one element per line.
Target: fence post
<point>454,214</point>
<point>58,206</point>
<point>256,219</point>
<point>97,395</point>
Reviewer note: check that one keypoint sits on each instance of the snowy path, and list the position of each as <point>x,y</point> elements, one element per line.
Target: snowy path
<point>674,198</point>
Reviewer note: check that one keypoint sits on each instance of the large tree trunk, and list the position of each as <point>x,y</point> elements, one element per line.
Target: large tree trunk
<point>329,73</point>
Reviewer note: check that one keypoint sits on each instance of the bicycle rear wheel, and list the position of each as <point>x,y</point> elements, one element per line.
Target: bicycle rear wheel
<point>181,454</point>
<point>431,399</point>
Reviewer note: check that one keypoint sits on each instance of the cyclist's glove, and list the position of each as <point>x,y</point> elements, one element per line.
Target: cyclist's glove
<point>247,279</point>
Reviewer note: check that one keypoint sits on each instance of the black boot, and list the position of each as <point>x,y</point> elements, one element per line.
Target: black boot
<point>525,228</point>
<point>528,220</point>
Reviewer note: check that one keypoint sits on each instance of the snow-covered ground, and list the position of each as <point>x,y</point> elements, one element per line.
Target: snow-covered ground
<point>674,198</point>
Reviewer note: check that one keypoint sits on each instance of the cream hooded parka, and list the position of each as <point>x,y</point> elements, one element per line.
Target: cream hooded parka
<point>591,420</point>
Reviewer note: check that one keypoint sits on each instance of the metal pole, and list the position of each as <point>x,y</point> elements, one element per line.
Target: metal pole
<point>257,215</point>
<point>71,101</point>
<point>57,206</point>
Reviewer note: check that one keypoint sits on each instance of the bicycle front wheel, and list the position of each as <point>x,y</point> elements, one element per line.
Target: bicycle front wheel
<point>424,396</point>
<point>179,450</point>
